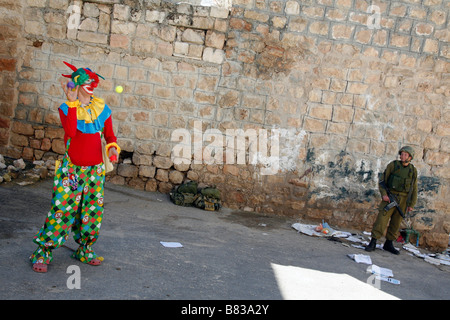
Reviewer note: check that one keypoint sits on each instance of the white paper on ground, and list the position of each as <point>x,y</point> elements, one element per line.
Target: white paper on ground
<point>171,244</point>
<point>360,258</point>
<point>383,272</point>
<point>390,280</point>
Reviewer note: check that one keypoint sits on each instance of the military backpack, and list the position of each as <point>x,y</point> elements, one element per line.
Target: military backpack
<point>188,194</point>
<point>185,194</point>
<point>209,199</point>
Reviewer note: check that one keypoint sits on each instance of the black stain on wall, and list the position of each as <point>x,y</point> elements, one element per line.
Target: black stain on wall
<point>359,181</point>
<point>428,184</point>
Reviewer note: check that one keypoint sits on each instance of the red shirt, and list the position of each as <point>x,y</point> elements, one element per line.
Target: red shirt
<point>85,148</point>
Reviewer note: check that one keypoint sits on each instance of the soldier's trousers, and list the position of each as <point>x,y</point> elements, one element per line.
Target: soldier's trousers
<point>77,205</point>
<point>392,217</point>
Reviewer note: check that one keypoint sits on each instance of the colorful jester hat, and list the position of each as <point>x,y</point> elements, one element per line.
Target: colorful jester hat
<point>83,77</point>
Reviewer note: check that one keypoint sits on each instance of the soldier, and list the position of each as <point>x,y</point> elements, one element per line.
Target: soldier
<point>400,177</point>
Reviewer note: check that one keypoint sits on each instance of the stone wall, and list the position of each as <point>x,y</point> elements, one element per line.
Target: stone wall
<point>338,86</point>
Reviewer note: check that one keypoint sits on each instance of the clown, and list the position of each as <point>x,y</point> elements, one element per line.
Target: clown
<point>85,119</point>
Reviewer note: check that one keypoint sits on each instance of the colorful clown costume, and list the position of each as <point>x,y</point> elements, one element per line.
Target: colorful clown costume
<point>77,205</point>
<point>77,196</point>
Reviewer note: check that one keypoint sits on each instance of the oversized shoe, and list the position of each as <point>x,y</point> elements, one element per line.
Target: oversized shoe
<point>95,262</point>
<point>40,267</point>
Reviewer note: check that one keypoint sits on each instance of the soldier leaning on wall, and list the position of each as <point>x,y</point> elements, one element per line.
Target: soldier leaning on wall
<point>400,177</point>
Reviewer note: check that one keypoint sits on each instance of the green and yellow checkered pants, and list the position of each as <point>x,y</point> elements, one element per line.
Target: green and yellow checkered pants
<point>77,205</point>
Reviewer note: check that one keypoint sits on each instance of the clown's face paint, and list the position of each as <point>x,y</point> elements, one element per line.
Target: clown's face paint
<point>85,78</point>
<point>89,86</point>
<point>84,96</point>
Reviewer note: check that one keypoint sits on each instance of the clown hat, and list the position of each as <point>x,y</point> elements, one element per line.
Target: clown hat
<point>83,77</point>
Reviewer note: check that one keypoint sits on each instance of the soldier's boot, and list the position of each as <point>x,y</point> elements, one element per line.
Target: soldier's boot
<point>388,246</point>
<point>372,245</point>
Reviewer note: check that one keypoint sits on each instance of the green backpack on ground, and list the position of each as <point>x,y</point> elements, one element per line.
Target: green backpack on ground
<point>209,199</point>
<point>185,194</point>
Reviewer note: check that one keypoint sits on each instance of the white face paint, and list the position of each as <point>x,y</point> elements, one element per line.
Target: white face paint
<point>88,87</point>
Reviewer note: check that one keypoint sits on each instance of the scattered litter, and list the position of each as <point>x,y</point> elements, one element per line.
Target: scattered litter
<point>360,241</point>
<point>341,234</point>
<point>383,274</point>
<point>324,228</point>
<point>436,259</point>
<point>444,259</point>
<point>346,238</point>
<point>321,230</point>
<point>24,183</point>
<point>379,271</point>
<point>390,280</point>
<point>171,244</point>
<point>410,248</point>
<point>432,260</point>
<point>307,229</point>
<point>360,258</point>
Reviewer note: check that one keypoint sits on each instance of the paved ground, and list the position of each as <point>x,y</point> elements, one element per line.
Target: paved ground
<point>225,256</point>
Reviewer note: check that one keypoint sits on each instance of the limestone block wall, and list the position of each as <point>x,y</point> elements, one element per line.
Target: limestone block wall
<point>324,91</point>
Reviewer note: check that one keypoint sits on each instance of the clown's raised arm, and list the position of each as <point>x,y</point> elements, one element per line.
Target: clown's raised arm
<point>85,119</point>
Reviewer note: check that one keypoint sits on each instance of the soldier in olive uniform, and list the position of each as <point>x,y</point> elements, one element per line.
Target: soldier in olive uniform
<point>400,177</point>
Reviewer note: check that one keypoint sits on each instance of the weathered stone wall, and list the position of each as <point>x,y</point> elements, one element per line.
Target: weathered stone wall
<point>345,85</point>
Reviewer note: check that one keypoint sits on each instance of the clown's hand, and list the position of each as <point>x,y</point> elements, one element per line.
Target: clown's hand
<point>71,94</point>
<point>113,155</point>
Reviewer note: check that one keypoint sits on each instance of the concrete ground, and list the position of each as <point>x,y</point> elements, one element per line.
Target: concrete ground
<point>226,255</point>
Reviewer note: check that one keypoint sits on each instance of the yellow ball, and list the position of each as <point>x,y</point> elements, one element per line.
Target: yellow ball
<point>119,89</point>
